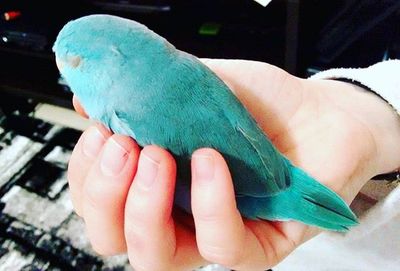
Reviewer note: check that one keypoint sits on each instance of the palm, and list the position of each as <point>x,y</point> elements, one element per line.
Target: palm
<point>307,127</point>
<point>317,125</point>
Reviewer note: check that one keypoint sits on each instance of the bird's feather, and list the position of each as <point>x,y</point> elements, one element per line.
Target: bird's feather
<point>138,84</point>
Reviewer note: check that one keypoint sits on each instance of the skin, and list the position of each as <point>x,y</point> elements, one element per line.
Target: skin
<point>339,133</point>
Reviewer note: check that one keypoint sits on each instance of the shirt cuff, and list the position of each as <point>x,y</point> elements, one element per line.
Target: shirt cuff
<point>382,78</point>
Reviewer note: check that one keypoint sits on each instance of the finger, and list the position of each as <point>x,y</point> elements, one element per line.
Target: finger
<point>104,194</point>
<point>82,158</point>
<point>78,107</point>
<point>148,211</point>
<point>149,229</point>
<point>220,232</point>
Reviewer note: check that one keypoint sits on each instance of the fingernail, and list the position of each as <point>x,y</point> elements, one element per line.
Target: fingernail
<point>203,167</point>
<point>92,142</point>
<point>147,170</point>
<point>113,158</point>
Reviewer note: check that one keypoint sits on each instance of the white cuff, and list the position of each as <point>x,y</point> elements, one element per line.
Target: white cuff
<point>383,78</point>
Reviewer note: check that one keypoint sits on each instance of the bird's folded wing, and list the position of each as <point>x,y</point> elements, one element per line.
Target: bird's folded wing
<point>273,166</point>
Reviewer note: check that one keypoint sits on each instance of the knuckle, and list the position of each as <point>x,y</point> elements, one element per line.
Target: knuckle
<point>138,210</point>
<point>134,237</point>
<point>135,213</point>
<point>204,213</point>
<point>211,219</point>
<point>103,250</point>
<point>96,197</point>
<point>141,251</point>
<point>208,217</point>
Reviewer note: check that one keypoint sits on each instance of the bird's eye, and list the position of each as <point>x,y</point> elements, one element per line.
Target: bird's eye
<point>71,61</point>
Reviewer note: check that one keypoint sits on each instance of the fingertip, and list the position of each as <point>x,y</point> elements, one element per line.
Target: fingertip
<point>209,163</point>
<point>209,152</point>
<point>103,129</point>
<point>126,142</point>
<point>98,128</point>
<point>78,107</point>
<point>93,140</point>
<point>210,175</point>
<point>158,155</point>
<point>204,152</point>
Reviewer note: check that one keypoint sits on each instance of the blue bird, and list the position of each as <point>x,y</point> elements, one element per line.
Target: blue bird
<point>138,84</point>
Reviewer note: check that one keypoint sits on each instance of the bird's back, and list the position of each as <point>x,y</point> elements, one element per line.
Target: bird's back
<point>195,109</point>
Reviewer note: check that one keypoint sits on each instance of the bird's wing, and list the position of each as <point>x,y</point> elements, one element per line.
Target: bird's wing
<point>124,123</point>
<point>120,123</point>
<point>269,171</point>
<point>120,126</point>
<point>273,166</point>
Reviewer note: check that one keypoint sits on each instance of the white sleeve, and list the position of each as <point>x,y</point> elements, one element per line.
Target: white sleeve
<point>374,244</point>
<point>383,78</point>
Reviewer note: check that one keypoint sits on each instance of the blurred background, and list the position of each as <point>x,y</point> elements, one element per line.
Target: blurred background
<point>38,229</point>
<point>300,36</point>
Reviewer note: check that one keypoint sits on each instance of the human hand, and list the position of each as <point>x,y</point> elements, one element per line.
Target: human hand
<point>338,133</point>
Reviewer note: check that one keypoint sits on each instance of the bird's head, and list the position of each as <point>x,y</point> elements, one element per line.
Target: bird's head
<point>93,53</point>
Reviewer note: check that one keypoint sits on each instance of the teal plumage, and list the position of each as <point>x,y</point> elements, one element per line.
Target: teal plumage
<point>137,84</point>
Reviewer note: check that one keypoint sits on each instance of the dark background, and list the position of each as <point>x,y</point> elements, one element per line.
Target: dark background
<point>301,37</point>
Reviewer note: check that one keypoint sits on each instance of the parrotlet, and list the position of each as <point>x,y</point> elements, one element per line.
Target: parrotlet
<point>138,84</point>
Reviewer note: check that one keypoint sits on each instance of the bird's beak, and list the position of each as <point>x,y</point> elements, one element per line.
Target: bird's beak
<point>71,61</point>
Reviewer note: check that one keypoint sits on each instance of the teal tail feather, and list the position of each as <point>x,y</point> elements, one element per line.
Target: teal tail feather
<point>306,200</point>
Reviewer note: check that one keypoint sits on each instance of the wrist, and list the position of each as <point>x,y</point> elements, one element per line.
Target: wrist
<point>380,119</point>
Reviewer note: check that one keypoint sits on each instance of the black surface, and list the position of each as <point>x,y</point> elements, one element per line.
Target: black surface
<point>51,251</point>
<point>38,245</point>
<point>38,180</point>
<point>356,33</point>
<point>293,34</point>
<point>247,31</point>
